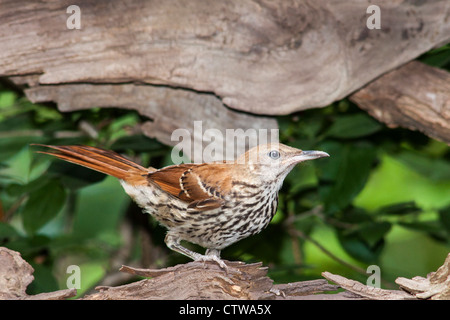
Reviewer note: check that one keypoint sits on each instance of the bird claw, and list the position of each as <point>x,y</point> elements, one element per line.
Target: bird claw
<point>214,258</point>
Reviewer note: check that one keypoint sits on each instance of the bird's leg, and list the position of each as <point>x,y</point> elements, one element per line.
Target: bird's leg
<point>212,252</point>
<point>214,255</point>
<point>173,243</point>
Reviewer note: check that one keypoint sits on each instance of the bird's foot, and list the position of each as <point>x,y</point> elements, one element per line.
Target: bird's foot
<point>212,257</point>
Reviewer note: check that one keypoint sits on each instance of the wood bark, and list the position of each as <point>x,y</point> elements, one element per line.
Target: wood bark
<point>167,110</point>
<point>258,56</point>
<point>415,96</point>
<point>15,276</point>
<point>200,281</point>
<point>206,280</point>
<point>436,286</point>
<point>175,61</point>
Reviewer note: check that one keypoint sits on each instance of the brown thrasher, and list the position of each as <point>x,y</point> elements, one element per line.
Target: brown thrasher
<point>210,204</point>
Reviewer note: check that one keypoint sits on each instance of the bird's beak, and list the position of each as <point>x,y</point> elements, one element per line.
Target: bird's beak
<point>310,155</point>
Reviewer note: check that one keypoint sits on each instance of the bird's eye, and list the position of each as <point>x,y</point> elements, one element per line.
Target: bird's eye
<point>274,154</point>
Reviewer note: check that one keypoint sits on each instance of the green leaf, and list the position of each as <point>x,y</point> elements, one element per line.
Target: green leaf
<point>444,217</point>
<point>300,178</point>
<point>347,172</point>
<point>374,232</point>
<point>43,205</point>
<point>74,176</point>
<point>7,99</point>
<point>355,215</point>
<point>438,57</point>
<point>353,126</point>
<point>424,226</point>
<point>7,231</point>
<point>402,208</point>
<point>99,208</point>
<point>359,249</point>
<point>11,146</point>
<point>44,280</point>
<point>16,189</point>
<point>434,229</point>
<point>366,241</point>
<point>435,169</point>
<point>137,143</point>
<point>16,123</point>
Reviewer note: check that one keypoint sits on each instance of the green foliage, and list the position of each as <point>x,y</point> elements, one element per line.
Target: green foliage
<point>345,177</point>
<point>439,57</point>
<point>342,188</point>
<point>381,198</point>
<point>53,212</point>
<point>43,205</point>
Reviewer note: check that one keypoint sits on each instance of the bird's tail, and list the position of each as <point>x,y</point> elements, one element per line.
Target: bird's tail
<point>105,161</point>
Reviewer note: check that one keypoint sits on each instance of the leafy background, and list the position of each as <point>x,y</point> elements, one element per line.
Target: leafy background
<point>382,198</point>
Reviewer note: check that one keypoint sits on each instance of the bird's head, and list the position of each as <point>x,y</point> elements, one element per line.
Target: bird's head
<point>276,160</point>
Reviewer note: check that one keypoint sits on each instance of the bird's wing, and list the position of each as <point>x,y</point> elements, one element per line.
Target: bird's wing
<point>202,186</point>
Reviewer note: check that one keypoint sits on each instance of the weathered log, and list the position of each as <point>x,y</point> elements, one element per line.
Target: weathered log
<point>15,276</point>
<point>167,110</point>
<point>176,63</point>
<point>436,286</point>
<point>257,56</point>
<point>415,96</point>
<point>207,280</point>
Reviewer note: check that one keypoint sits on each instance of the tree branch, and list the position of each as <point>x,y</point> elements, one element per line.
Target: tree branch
<point>207,280</point>
<point>415,96</point>
<point>257,56</point>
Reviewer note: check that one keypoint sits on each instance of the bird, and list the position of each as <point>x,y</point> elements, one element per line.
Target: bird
<point>213,205</point>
